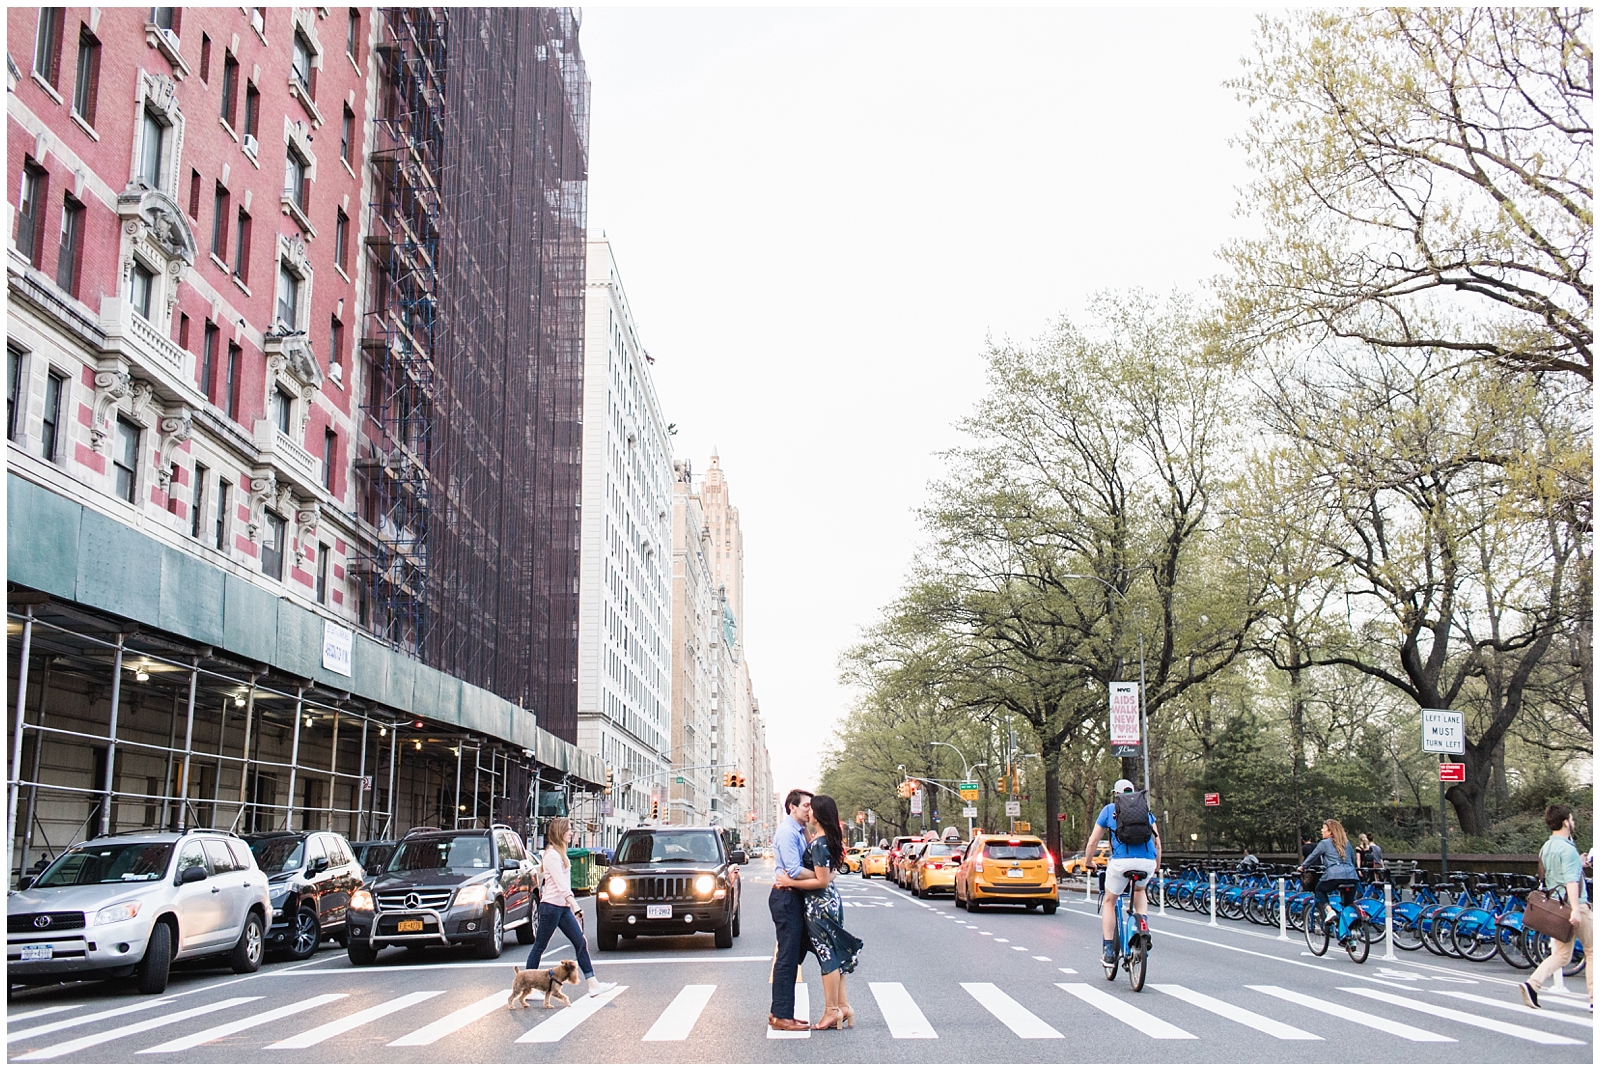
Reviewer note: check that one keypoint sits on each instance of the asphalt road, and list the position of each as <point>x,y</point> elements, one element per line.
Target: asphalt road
<point>935,985</point>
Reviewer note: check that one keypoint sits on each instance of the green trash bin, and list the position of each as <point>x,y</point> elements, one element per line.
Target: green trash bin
<point>582,872</point>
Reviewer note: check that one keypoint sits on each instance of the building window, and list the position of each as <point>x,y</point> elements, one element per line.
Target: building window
<point>335,341</point>
<point>330,449</point>
<point>205,58</point>
<point>208,362</point>
<point>165,18</point>
<point>219,222</point>
<point>241,248</point>
<point>30,211</point>
<point>125,459</point>
<point>230,88</point>
<point>183,330</point>
<point>322,573</point>
<point>13,389</point>
<point>352,39</point>
<point>288,297</point>
<point>235,355</point>
<point>196,517</point>
<point>154,135</point>
<point>70,260</point>
<point>282,408</point>
<point>347,130</point>
<point>300,62</point>
<point>341,240</point>
<point>47,43</point>
<point>194,194</point>
<point>55,388</point>
<point>143,286</point>
<point>294,178</point>
<point>272,546</point>
<point>86,88</point>
<point>224,489</point>
<point>252,108</point>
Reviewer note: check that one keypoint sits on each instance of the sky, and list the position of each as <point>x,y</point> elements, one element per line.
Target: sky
<point>823,216</point>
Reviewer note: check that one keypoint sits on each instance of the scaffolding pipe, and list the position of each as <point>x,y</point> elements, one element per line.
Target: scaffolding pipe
<point>222,740</point>
<point>294,756</point>
<point>16,737</point>
<point>111,743</point>
<point>166,787</point>
<point>244,750</point>
<point>360,827</point>
<point>333,767</point>
<point>394,749</point>
<point>455,822</point>
<point>188,744</point>
<point>33,767</point>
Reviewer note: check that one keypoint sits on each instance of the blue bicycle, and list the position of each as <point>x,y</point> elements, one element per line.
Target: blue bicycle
<point>1132,941</point>
<point>1351,926</point>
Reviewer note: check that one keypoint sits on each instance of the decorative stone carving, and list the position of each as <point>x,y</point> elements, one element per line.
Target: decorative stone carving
<point>263,491</point>
<point>155,229</point>
<point>143,394</point>
<point>110,387</point>
<point>175,428</point>
<point>161,94</point>
<point>305,529</point>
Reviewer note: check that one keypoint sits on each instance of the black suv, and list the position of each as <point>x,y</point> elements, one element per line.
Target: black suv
<point>675,880</point>
<point>310,878</point>
<point>462,886</point>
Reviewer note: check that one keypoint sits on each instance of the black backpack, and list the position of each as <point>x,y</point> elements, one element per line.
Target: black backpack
<point>1132,814</point>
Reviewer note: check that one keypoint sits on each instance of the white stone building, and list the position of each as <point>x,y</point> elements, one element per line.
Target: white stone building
<point>696,628</point>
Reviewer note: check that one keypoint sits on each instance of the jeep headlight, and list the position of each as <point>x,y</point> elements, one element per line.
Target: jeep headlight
<point>361,900</point>
<point>705,883</point>
<point>116,913</point>
<point>472,894</point>
<point>617,887</point>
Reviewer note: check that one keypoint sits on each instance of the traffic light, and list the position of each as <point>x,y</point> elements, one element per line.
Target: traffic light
<point>738,780</point>
<point>655,808</point>
<point>727,780</point>
<point>1000,785</point>
<point>609,778</point>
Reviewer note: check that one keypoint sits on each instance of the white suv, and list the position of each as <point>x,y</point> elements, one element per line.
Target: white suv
<point>131,904</point>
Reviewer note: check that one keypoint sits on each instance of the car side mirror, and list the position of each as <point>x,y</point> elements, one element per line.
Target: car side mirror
<point>374,870</point>
<point>736,856</point>
<point>192,874</point>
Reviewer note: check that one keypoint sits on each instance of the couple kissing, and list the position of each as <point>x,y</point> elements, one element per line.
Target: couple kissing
<point>807,911</point>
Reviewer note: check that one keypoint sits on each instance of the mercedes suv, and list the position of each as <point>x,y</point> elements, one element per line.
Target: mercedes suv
<point>675,880</point>
<point>462,886</point>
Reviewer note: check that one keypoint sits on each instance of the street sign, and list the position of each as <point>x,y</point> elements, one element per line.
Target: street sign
<point>1124,712</point>
<point>1452,771</point>
<point>969,790</point>
<point>1125,751</point>
<point>916,802</point>
<point>1013,808</point>
<point>1444,732</point>
<point>969,812</point>
<point>1213,799</point>
<point>871,818</point>
<point>677,780</point>
<point>1022,827</point>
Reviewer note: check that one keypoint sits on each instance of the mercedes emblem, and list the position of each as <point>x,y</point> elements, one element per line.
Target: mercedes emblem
<point>413,900</point>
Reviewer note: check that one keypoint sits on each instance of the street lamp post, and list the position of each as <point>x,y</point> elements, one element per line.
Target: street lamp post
<point>966,779</point>
<point>1144,720</point>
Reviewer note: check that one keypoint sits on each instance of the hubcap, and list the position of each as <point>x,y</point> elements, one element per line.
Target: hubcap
<point>252,940</point>
<point>305,932</point>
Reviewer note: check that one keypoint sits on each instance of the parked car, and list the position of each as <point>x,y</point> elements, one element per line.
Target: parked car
<point>935,870</point>
<point>374,855</point>
<point>132,904</point>
<point>1074,865</point>
<point>464,886</point>
<point>669,881</point>
<point>875,861</point>
<point>310,878</point>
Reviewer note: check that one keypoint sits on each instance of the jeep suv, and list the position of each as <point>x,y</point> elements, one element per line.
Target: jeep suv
<point>310,878</point>
<point>132,904</point>
<point>675,880</point>
<point>462,886</point>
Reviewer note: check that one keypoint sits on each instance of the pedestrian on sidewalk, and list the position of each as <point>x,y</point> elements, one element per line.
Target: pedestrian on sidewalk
<point>1563,877</point>
<point>836,948</point>
<point>788,910</point>
<point>558,906</point>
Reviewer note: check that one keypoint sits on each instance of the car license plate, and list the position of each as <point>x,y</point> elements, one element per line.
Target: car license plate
<point>32,952</point>
<point>658,911</point>
<point>1013,873</point>
<point>409,926</point>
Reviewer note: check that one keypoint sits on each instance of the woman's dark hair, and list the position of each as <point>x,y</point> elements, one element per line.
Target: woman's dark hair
<point>826,814</point>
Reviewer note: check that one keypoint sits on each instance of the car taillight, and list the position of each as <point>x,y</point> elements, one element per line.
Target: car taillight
<point>1051,858</point>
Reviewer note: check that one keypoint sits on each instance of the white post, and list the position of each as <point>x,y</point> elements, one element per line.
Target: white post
<point>1161,876</point>
<point>1213,921</point>
<point>1088,881</point>
<point>1283,912</point>
<point>1388,922</point>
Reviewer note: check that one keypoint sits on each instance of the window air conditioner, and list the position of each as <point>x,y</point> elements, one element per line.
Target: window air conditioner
<point>169,37</point>
<point>251,145</point>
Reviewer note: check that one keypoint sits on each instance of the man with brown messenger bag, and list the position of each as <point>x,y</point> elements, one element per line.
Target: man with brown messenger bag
<point>1561,874</point>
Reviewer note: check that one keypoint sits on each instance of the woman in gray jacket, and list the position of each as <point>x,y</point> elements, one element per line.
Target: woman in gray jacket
<point>1337,856</point>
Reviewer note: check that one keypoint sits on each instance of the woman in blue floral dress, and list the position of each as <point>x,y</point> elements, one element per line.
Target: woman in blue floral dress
<point>836,948</point>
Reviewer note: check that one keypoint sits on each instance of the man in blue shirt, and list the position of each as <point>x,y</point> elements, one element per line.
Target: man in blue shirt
<point>788,910</point>
<point>1563,871</point>
<point>1145,857</point>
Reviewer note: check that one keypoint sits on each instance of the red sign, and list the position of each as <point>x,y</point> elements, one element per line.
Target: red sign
<point>1213,799</point>
<point>1452,771</point>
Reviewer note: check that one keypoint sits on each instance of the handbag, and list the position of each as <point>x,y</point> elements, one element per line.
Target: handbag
<point>1546,914</point>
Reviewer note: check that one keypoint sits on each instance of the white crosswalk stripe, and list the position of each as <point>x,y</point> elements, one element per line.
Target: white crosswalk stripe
<point>82,1020</point>
<point>39,1013</point>
<point>1526,1033</point>
<point>566,1020</point>
<point>900,1012</point>
<point>78,1044</point>
<point>226,1029</point>
<point>457,1019</point>
<point>1506,1005</point>
<point>677,1021</point>
<point>1243,1016</point>
<point>802,1012</point>
<point>1376,1022</point>
<point>342,1026</point>
<point>1138,1018</point>
<point>1019,1020</point>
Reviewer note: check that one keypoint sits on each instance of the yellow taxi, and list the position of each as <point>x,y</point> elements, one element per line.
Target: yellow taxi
<point>907,860</point>
<point>852,858</point>
<point>998,868</point>
<point>875,862</point>
<point>935,870</point>
<point>1102,855</point>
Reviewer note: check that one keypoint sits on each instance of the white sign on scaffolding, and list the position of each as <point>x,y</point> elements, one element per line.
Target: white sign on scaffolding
<point>1124,712</point>
<point>336,644</point>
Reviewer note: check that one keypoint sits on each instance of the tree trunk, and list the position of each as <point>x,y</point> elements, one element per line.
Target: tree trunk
<point>1469,798</point>
<point>1050,754</point>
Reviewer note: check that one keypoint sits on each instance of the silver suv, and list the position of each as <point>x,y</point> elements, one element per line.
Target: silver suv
<point>132,904</point>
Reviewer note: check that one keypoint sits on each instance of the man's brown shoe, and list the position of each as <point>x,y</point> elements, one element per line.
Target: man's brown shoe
<point>786,1024</point>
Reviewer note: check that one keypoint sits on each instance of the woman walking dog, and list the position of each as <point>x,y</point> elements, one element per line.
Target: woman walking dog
<point>558,907</point>
<point>835,947</point>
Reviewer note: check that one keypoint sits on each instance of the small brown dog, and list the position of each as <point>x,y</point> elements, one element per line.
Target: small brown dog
<point>547,982</point>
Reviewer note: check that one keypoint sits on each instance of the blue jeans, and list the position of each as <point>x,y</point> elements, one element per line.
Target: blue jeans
<point>1338,885</point>
<point>560,916</point>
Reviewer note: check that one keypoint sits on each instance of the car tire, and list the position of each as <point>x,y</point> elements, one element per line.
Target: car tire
<point>955,891</point>
<point>362,955</point>
<point>247,953</point>
<point>494,942</point>
<point>723,935</point>
<point>342,938</point>
<point>306,933</point>
<point>737,912</point>
<point>1050,907</point>
<point>156,965</point>
<point>604,939</point>
<point>526,933</point>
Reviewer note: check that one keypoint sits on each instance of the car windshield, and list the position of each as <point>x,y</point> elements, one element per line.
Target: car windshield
<point>937,849</point>
<point>661,847</point>
<point>444,853</point>
<point>107,864</point>
<point>1014,851</point>
<point>279,855</point>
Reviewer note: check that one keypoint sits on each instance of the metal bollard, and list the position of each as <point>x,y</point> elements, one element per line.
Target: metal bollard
<point>1088,881</point>
<point>1388,922</point>
<point>1213,921</point>
<point>1283,912</point>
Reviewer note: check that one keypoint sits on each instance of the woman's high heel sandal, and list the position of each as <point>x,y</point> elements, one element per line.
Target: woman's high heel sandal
<point>830,1019</point>
<point>847,1017</point>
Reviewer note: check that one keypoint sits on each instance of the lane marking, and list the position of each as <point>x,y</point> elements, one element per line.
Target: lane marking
<point>1388,1026</point>
<point>449,1024</point>
<point>1019,1020</point>
<point>1137,1018</point>
<point>1003,940</point>
<point>501,964</point>
<point>339,1026</point>
<point>905,1019</point>
<point>678,1020</point>
<point>1018,948</point>
<point>1454,1015</point>
<point>1255,1021</point>
<point>37,1012</point>
<point>1506,1005</point>
<point>802,1012</point>
<point>566,1020</point>
<point>80,1020</point>
<point>78,1044</point>
<point>1066,970</point>
<point>215,1032</point>
<point>1042,959</point>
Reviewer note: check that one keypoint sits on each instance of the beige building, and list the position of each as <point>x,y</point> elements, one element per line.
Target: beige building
<point>696,622</point>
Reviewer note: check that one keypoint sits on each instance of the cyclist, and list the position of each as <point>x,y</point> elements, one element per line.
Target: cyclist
<point>1338,856</point>
<point>1127,814</point>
